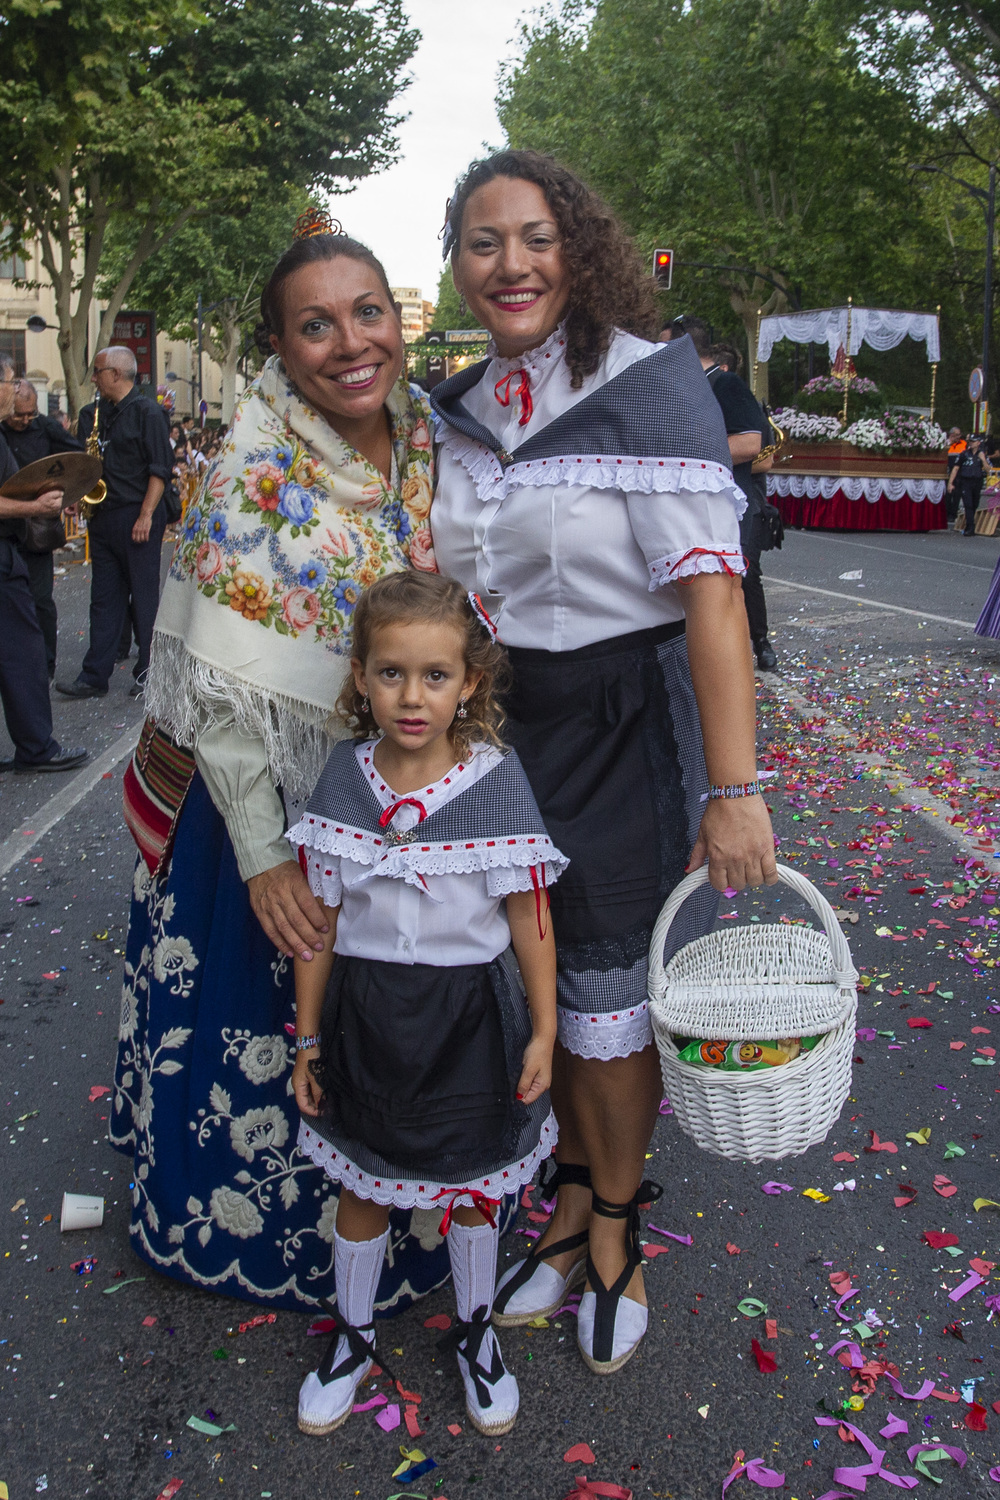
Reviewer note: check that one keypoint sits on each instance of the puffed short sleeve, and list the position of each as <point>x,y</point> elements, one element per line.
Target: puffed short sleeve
<point>686,532</point>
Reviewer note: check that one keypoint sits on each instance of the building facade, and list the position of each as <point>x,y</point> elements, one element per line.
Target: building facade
<point>418,313</point>
<point>36,355</point>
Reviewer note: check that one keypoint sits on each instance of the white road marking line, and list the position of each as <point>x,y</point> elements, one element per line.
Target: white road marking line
<point>55,809</point>
<point>866,603</point>
<point>931,809</point>
<point>931,557</point>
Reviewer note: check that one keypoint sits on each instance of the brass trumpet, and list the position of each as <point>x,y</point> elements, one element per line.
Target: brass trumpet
<point>94,497</point>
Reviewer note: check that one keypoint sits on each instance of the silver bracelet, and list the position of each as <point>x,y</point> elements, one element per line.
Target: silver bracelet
<point>743,789</point>
<point>303,1043</point>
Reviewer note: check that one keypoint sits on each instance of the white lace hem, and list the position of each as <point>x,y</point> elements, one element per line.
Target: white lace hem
<point>403,1192</point>
<point>524,851</point>
<point>618,1034</point>
<point>642,476</point>
<point>693,560</point>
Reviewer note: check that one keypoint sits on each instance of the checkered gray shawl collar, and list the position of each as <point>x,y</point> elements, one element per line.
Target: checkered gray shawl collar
<point>660,408</point>
<point>494,824</point>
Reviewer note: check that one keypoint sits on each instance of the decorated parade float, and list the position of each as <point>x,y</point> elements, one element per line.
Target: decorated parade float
<point>847,462</point>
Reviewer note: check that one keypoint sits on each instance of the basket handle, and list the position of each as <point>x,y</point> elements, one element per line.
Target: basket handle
<point>844,972</point>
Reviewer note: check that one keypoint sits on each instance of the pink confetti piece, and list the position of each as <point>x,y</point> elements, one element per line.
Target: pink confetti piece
<point>927,1389</point>
<point>968,1285</point>
<point>757,1473</point>
<point>97,1091</point>
<point>893,1427</point>
<point>652,1251</point>
<point>454,1429</point>
<point>856,1478</point>
<point>440,1321</point>
<point>682,1239</point>
<point>774,1189</point>
<point>388,1420</point>
<point>378,1400</point>
<point>857,1358</point>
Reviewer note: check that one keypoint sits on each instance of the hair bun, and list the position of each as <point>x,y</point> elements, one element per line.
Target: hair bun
<point>316,221</point>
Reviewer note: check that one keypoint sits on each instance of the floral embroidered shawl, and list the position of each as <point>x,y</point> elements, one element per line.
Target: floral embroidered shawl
<point>289,525</point>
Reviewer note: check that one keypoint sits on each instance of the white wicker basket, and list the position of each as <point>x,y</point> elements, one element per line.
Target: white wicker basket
<point>758,982</point>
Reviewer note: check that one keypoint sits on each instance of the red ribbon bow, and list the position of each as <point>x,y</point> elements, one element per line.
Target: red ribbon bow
<point>502,392</point>
<point>486,1206</point>
<point>391,812</point>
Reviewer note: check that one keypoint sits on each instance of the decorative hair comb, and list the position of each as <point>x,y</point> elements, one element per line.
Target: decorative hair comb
<point>316,221</point>
<point>480,611</point>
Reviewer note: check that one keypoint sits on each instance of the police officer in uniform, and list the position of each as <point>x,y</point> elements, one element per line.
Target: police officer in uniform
<point>126,529</point>
<point>30,437</point>
<point>24,683</point>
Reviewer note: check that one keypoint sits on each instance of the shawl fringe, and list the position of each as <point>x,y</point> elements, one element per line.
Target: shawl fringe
<point>185,695</point>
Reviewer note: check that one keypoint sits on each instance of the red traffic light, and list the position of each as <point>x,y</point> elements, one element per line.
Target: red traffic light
<point>663,268</point>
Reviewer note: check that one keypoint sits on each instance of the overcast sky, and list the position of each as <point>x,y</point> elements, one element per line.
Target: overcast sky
<point>451,116</point>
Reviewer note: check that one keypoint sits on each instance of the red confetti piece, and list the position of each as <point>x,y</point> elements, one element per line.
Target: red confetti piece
<point>944,1186</point>
<point>996,1407</point>
<point>766,1363</point>
<point>986,1051</point>
<point>733,1249</point>
<point>909,1194</point>
<point>919,1023</point>
<point>259,1321</point>
<point>845,1156</point>
<point>149,1322</point>
<point>53,975</point>
<point>170,1489</point>
<point>580,1453</point>
<point>878,1145</point>
<point>982,1267</point>
<point>975,1417</point>
<point>957,1046</point>
<point>587,1489</point>
<point>653,1250</point>
<point>770,1328</point>
<point>413,1426</point>
<point>454,1429</point>
<point>97,1091</point>
<point>439,1320</point>
<point>938,1241</point>
<point>980,1031</point>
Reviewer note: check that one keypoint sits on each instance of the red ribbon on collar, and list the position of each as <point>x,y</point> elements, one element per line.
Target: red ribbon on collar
<point>502,392</point>
<point>486,1206</point>
<point>391,812</point>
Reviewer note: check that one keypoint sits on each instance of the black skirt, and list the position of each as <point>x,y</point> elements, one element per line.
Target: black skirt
<point>419,1067</point>
<point>610,741</point>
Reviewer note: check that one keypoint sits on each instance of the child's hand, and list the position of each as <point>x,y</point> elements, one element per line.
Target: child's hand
<point>536,1074</point>
<point>308,1093</point>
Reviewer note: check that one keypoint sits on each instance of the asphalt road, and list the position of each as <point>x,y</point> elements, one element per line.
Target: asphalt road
<point>95,1397</point>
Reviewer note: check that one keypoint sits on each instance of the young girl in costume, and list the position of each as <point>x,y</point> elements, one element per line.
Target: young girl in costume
<point>421,1070</point>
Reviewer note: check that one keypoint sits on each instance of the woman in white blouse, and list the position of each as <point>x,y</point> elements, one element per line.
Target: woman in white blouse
<point>584,491</point>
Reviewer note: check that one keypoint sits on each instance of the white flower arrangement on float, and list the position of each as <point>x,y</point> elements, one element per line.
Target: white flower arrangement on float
<point>869,433</point>
<point>808,428</point>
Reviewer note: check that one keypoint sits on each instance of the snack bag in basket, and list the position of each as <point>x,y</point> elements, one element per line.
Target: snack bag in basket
<point>745,1057</point>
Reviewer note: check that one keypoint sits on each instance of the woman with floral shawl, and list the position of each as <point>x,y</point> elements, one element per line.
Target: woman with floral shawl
<point>323,484</point>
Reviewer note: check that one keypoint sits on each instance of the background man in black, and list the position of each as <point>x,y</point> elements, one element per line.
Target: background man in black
<point>127,527</point>
<point>30,437</point>
<point>24,684</point>
<point>744,427</point>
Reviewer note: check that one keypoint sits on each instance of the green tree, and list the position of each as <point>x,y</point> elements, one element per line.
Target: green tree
<point>744,133</point>
<point>447,308</point>
<point>227,260</point>
<point>161,112</point>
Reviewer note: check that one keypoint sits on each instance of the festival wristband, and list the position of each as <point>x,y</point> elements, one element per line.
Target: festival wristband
<point>303,1043</point>
<point>744,789</point>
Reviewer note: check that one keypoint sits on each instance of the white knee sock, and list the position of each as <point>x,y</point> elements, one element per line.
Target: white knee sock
<point>357,1267</point>
<point>473,1253</point>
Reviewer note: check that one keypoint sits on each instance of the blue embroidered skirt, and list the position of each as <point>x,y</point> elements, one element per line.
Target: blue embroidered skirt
<point>222,1196</point>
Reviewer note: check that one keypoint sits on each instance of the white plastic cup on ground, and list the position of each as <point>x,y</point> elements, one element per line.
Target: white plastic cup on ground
<point>81,1212</point>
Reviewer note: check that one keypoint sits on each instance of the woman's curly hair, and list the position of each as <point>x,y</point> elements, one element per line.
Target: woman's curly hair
<point>610,286</point>
<point>414,598</point>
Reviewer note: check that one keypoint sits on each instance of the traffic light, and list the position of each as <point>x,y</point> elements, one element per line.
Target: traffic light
<point>663,269</point>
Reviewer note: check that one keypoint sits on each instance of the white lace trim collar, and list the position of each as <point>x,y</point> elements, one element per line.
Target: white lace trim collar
<point>598,471</point>
<point>552,352</point>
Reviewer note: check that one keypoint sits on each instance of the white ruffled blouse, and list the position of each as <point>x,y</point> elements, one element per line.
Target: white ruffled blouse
<point>393,906</point>
<point>594,555</point>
